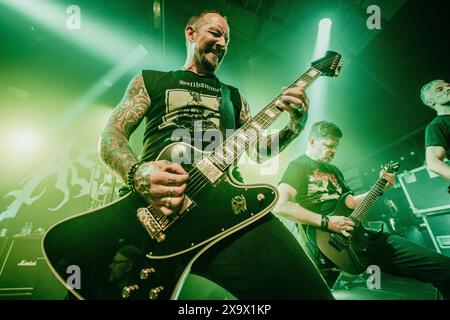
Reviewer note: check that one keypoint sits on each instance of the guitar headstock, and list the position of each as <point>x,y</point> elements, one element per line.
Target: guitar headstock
<point>391,167</point>
<point>330,65</point>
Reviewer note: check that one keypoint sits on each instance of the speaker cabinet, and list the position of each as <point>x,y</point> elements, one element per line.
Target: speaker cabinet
<point>438,226</point>
<point>24,273</point>
<point>426,192</point>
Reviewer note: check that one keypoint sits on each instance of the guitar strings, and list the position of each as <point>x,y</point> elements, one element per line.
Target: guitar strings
<point>197,183</point>
<point>369,200</point>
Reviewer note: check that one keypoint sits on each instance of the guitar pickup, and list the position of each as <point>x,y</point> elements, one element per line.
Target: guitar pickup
<point>209,170</point>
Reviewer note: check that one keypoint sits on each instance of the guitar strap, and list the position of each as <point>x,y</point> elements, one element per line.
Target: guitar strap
<point>227,116</point>
<point>338,177</point>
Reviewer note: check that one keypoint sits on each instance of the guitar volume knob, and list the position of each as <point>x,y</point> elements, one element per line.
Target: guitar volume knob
<point>261,197</point>
<point>145,273</point>
<point>128,290</point>
<point>160,237</point>
<point>154,293</point>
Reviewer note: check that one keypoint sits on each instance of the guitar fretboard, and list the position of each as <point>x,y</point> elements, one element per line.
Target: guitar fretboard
<point>359,213</point>
<point>228,152</point>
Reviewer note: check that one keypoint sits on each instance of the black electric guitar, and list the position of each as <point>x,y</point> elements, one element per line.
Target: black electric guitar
<point>218,206</point>
<point>349,253</point>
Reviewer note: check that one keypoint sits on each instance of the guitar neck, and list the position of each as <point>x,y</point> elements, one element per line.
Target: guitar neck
<point>227,153</point>
<point>362,209</point>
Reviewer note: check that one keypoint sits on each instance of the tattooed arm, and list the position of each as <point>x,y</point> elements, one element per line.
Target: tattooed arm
<point>114,149</point>
<point>161,183</point>
<point>271,145</point>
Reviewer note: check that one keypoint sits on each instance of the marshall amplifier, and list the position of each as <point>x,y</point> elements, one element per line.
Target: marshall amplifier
<point>438,226</point>
<point>19,261</point>
<point>24,273</point>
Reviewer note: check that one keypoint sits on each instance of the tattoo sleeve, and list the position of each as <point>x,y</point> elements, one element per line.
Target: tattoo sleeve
<point>269,146</point>
<point>126,117</point>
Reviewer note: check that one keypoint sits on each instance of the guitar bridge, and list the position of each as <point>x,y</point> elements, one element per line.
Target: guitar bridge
<point>155,222</point>
<point>155,225</point>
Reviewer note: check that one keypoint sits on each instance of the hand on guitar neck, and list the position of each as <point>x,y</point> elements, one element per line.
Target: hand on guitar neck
<point>344,225</point>
<point>389,177</point>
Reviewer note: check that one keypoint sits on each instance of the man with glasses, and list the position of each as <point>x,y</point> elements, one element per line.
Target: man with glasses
<point>124,271</point>
<point>310,190</point>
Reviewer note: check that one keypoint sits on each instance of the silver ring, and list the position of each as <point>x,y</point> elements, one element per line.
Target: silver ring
<point>169,202</point>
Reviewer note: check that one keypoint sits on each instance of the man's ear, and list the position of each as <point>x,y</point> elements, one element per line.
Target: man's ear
<point>311,141</point>
<point>190,33</point>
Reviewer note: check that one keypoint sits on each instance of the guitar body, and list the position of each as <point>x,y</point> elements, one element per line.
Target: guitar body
<point>91,239</point>
<point>348,255</point>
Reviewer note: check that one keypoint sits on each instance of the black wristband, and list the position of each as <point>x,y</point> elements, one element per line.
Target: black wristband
<point>324,223</point>
<point>130,176</point>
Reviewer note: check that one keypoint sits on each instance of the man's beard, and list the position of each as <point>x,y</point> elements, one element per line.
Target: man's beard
<point>447,103</point>
<point>327,158</point>
<point>207,65</point>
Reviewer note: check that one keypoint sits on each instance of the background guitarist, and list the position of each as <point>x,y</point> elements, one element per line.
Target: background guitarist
<point>262,261</point>
<point>310,189</point>
<point>436,95</point>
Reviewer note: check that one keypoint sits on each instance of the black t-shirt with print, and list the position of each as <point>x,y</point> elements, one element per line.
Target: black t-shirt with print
<point>319,185</point>
<point>437,133</point>
<point>183,100</point>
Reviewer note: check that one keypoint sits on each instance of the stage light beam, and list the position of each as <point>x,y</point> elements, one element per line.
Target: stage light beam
<point>102,38</point>
<point>319,90</point>
<point>100,87</point>
<point>24,141</point>
<point>323,38</point>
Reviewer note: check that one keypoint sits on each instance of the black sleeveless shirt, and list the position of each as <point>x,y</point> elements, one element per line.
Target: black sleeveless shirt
<point>182,100</point>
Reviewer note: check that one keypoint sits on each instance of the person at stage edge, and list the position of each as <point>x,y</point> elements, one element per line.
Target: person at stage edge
<point>309,192</point>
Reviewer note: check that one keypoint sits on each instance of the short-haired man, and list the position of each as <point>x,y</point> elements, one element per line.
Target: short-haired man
<point>436,95</point>
<point>309,192</point>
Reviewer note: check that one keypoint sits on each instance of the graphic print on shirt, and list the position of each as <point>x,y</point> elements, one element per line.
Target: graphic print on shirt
<point>185,108</point>
<point>323,186</point>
